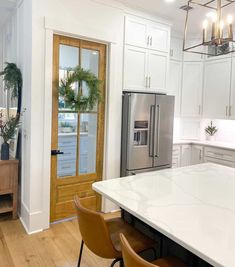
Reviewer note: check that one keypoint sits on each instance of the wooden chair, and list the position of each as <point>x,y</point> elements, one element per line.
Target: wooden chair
<point>102,236</point>
<point>131,259</point>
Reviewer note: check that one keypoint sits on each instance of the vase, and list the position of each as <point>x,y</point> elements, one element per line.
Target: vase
<point>210,138</point>
<point>5,151</point>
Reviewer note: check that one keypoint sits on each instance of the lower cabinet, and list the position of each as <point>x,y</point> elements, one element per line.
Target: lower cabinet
<point>176,156</point>
<point>197,156</point>
<point>220,156</point>
<point>187,154</point>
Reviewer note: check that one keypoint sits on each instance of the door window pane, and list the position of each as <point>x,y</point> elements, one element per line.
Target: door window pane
<point>69,59</point>
<point>89,61</point>
<point>67,143</point>
<point>87,148</point>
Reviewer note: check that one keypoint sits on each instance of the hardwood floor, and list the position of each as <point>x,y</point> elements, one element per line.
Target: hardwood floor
<point>58,246</point>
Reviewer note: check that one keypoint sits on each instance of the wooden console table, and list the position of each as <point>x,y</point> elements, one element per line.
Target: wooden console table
<point>9,186</point>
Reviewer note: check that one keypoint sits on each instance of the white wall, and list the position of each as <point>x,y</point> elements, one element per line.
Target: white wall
<point>96,20</point>
<point>24,62</point>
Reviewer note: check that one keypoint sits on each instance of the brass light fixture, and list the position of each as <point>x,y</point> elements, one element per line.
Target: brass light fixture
<point>216,36</point>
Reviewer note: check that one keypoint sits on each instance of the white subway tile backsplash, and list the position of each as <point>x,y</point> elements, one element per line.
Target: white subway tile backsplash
<point>195,129</point>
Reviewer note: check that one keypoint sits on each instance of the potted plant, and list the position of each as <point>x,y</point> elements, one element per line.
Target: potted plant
<point>12,78</point>
<point>211,130</point>
<point>7,132</point>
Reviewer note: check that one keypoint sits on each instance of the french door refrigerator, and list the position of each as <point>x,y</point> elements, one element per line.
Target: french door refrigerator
<point>147,132</point>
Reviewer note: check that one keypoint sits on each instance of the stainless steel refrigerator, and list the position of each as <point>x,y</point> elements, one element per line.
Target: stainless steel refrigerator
<point>147,132</point>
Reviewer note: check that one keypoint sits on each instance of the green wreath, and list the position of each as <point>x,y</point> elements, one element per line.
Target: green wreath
<point>77,101</point>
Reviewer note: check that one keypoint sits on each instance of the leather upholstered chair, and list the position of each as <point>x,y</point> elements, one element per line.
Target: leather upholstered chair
<point>102,236</point>
<point>131,259</point>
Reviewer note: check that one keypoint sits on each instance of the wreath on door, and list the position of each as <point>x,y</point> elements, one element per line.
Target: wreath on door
<point>77,100</point>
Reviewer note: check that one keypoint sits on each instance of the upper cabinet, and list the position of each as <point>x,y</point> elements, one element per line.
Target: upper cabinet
<point>176,49</point>
<point>157,71</point>
<point>191,99</point>
<point>217,79</point>
<point>146,56</point>
<point>136,32</point>
<point>135,68</point>
<point>174,83</point>
<point>232,99</point>
<point>147,34</point>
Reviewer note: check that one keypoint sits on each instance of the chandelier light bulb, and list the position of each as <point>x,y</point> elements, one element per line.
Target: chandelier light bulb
<point>212,15</point>
<point>230,19</point>
<point>205,24</point>
<point>221,25</point>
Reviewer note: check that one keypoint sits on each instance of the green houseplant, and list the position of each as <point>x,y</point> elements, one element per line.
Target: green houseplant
<point>7,132</point>
<point>211,130</point>
<point>12,78</point>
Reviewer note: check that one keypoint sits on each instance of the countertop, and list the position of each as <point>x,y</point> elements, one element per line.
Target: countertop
<point>224,145</point>
<point>194,206</point>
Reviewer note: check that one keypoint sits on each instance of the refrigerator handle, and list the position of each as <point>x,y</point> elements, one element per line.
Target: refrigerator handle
<point>158,130</point>
<point>151,131</point>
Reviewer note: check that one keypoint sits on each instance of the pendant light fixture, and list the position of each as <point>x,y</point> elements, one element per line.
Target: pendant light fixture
<point>216,31</point>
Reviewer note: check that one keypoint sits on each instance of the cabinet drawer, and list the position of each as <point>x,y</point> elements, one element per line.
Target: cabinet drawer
<point>219,153</point>
<point>175,162</point>
<point>220,162</point>
<point>176,150</point>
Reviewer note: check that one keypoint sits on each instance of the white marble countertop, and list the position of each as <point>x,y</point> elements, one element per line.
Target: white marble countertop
<point>224,145</point>
<point>194,206</point>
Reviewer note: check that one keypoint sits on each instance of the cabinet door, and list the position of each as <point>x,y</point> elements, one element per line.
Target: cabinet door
<point>176,156</point>
<point>197,155</point>
<point>136,32</point>
<point>191,89</point>
<point>135,67</point>
<point>185,155</point>
<point>217,88</point>
<point>174,84</point>
<point>220,162</point>
<point>157,71</point>
<point>159,37</point>
<point>232,99</point>
<point>176,47</point>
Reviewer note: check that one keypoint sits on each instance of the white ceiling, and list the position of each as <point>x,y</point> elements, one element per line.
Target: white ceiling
<point>166,10</point>
<point>6,7</point>
<point>171,12</point>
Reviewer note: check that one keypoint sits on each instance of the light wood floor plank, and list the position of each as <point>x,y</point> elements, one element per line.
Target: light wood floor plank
<point>59,246</point>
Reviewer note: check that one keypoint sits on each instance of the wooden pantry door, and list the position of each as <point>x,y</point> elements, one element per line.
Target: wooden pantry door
<point>78,135</point>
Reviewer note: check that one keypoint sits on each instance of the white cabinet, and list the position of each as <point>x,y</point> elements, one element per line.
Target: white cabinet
<point>145,69</point>
<point>232,99</point>
<point>135,68</point>
<point>176,49</point>
<point>159,37</point>
<point>185,155</point>
<point>174,83</point>
<point>217,88</point>
<point>147,34</point>
<point>176,155</point>
<point>197,156</point>
<point>146,57</point>
<point>191,98</point>
<point>220,162</point>
<point>158,71</point>
<point>136,32</point>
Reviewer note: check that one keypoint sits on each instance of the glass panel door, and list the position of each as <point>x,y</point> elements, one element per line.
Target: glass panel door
<point>77,137</point>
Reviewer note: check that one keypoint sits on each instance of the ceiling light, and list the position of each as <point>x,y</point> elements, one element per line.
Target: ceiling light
<point>217,33</point>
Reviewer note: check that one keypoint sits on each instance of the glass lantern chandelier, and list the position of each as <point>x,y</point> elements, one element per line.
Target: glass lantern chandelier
<point>216,32</point>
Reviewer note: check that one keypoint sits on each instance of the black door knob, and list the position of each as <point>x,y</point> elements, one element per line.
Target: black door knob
<point>56,152</point>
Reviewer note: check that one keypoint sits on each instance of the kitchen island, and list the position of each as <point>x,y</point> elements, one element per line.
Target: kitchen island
<point>192,206</point>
